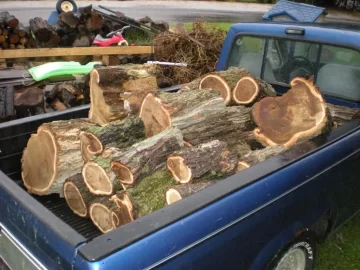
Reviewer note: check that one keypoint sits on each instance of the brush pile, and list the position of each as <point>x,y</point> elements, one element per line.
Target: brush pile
<point>12,34</point>
<point>141,148</point>
<point>199,48</point>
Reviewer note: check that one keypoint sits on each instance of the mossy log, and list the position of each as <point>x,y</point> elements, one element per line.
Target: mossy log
<point>257,156</point>
<point>296,116</point>
<point>52,155</point>
<point>249,90</point>
<point>77,195</point>
<point>98,176</point>
<point>223,81</point>
<point>148,195</point>
<point>191,163</point>
<point>176,193</point>
<point>108,83</point>
<point>120,134</point>
<point>143,158</point>
<point>200,115</point>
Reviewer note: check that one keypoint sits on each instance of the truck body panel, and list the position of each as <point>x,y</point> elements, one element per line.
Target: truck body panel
<point>238,223</point>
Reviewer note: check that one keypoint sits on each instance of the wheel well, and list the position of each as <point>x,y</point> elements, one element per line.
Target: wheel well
<point>322,227</point>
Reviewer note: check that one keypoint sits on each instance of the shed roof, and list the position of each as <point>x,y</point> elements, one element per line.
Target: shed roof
<point>297,11</point>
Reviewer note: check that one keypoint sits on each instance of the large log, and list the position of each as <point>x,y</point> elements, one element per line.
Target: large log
<point>176,193</point>
<point>200,115</point>
<point>40,29</point>
<point>120,134</point>
<point>6,103</point>
<point>77,195</point>
<point>107,84</point>
<point>192,163</point>
<point>29,101</point>
<point>249,90</point>
<point>223,81</point>
<point>52,155</point>
<point>298,115</point>
<point>146,156</point>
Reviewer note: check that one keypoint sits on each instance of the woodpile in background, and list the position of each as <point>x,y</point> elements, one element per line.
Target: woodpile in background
<point>141,149</point>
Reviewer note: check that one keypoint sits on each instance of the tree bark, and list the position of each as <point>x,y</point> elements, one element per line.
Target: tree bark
<point>176,193</point>
<point>249,90</point>
<point>106,85</point>
<point>342,114</point>
<point>192,163</point>
<point>223,81</point>
<point>143,158</point>
<point>40,28</point>
<point>52,155</point>
<point>66,94</point>
<point>200,115</point>
<point>29,102</point>
<point>120,134</point>
<point>77,195</point>
<point>69,19</point>
<point>260,155</point>
<point>296,116</point>
<point>94,21</point>
<point>6,103</point>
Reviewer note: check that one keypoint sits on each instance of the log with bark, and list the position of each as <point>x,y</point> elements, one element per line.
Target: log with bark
<point>200,115</point>
<point>146,156</point>
<point>6,103</point>
<point>107,83</point>
<point>52,155</point>
<point>29,101</point>
<point>342,114</point>
<point>249,90</point>
<point>119,133</point>
<point>176,193</point>
<point>77,196</point>
<point>223,81</point>
<point>94,21</point>
<point>69,19</point>
<point>8,20</point>
<point>298,115</point>
<point>40,28</point>
<point>214,158</point>
<point>67,94</point>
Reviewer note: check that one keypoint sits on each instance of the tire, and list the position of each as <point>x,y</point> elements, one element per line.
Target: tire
<point>65,6</point>
<point>298,255</point>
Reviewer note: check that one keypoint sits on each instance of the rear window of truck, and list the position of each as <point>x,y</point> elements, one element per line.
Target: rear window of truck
<point>336,69</point>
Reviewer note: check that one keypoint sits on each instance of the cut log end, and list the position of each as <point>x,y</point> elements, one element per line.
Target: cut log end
<point>34,158</point>
<point>215,82</point>
<point>122,173</point>
<point>298,114</point>
<point>154,116</point>
<point>102,217</point>
<point>96,179</point>
<point>179,170</point>
<point>172,195</point>
<point>74,199</point>
<point>245,91</point>
<point>90,146</point>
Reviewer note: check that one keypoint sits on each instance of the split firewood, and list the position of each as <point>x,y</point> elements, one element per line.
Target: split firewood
<point>77,196</point>
<point>52,155</point>
<point>6,103</point>
<point>299,114</point>
<point>29,101</point>
<point>223,81</point>
<point>249,90</point>
<point>148,195</point>
<point>106,85</point>
<point>192,163</point>
<point>69,19</point>
<point>66,94</point>
<point>176,193</point>
<point>342,114</point>
<point>125,205</point>
<point>146,156</point>
<point>120,134</point>
<point>200,115</point>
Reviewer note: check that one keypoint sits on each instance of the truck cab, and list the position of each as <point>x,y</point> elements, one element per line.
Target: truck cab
<point>277,52</point>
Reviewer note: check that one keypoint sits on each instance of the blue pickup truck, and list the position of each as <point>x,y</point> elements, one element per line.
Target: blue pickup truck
<point>270,216</point>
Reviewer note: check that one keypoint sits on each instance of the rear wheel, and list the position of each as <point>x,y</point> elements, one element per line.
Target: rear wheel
<point>298,255</point>
<point>65,6</point>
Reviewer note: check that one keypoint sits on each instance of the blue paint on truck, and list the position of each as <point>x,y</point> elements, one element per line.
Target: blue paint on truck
<point>246,222</point>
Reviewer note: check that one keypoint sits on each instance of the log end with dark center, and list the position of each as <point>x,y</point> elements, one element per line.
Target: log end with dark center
<point>216,83</point>
<point>96,179</point>
<point>179,170</point>
<point>245,91</point>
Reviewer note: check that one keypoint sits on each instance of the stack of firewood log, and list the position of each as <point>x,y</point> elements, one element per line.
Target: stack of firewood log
<point>12,34</point>
<point>141,149</point>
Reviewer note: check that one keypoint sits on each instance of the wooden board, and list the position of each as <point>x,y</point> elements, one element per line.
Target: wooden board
<point>78,51</point>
